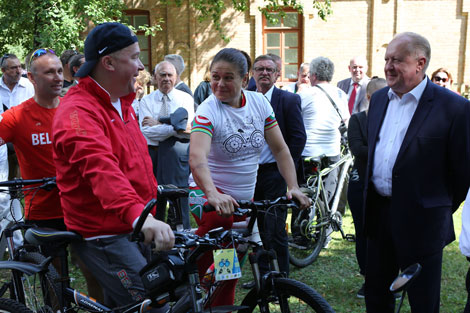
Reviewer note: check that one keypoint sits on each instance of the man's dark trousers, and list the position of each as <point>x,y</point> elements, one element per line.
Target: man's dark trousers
<point>272,224</point>
<point>385,259</point>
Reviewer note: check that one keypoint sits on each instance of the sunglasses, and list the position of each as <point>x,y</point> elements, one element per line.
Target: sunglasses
<point>40,52</point>
<point>438,79</point>
<point>6,56</point>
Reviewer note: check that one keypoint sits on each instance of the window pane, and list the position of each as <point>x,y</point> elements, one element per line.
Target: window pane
<point>291,20</point>
<point>143,41</point>
<point>127,19</point>
<point>278,17</point>
<point>274,39</point>
<point>144,57</point>
<point>274,51</point>
<point>140,20</point>
<point>291,55</point>
<point>290,71</point>
<point>291,40</point>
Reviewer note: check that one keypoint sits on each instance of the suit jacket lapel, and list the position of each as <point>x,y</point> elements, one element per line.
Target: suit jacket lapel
<point>376,121</point>
<point>275,98</point>
<point>424,107</point>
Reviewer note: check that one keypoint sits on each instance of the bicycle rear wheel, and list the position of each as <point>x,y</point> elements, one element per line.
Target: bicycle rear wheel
<point>286,296</point>
<point>11,306</point>
<point>41,291</point>
<point>304,249</point>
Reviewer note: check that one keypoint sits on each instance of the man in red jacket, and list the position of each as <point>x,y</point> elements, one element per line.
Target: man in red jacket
<point>104,172</point>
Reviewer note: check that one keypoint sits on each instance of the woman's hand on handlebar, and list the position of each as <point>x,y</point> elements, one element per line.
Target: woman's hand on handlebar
<point>223,204</point>
<point>304,201</point>
<point>161,233</point>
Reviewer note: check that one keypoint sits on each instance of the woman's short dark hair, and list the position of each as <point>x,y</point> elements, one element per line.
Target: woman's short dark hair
<point>232,56</point>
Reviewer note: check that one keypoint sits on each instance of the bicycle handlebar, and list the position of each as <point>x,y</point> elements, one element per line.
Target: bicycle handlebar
<point>18,182</point>
<point>246,206</point>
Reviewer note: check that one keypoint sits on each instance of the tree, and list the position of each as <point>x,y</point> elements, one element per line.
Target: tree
<point>59,24</point>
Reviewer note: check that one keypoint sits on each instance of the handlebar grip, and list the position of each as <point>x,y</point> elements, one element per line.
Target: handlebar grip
<point>136,234</point>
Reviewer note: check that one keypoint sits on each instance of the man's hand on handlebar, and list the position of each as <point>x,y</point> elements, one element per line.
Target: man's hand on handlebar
<point>304,201</point>
<point>223,204</point>
<point>159,232</point>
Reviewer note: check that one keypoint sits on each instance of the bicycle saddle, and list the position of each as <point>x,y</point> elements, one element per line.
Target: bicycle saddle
<point>39,236</point>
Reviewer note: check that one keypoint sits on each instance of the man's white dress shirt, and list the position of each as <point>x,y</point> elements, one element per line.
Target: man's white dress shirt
<point>399,113</point>
<point>151,104</point>
<point>22,91</point>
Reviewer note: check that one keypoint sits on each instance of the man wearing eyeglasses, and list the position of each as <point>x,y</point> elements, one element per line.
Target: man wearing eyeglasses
<point>104,171</point>
<point>14,89</point>
<point>270,183</point>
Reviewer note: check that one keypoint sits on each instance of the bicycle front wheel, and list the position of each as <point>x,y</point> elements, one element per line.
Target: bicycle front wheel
<point>11,306</point>
<point>286,296</point>
<point>305,247</point>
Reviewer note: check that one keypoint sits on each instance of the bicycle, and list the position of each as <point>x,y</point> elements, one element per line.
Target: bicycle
<point>172,277</point>
<point>25,262</point>
<point>310,228</point>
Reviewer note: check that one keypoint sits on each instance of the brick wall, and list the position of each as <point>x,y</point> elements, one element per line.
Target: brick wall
<point>359,27</point>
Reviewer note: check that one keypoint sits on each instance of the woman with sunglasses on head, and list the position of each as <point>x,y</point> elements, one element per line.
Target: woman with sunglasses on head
<point>227,137</point>
<point>443,78</point>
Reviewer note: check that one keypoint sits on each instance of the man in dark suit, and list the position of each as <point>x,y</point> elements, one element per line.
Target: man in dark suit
<point>355,87</point>
<point>270,183</point>
<point>417,175</point>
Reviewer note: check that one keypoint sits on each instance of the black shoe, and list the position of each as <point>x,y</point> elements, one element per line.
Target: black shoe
<point>362,292</point>
<point>248,285</point>
<point>300,242</point>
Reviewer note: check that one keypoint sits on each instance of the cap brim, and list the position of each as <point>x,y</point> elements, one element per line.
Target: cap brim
<point>86,68</point>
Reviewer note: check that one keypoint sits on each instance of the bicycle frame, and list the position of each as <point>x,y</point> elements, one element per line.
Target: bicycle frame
<point>316,183</point>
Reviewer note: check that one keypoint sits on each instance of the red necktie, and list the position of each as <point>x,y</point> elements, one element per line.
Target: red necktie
<point>352,98</point>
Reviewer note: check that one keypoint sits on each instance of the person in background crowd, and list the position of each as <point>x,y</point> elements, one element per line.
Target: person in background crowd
<point>203,91</point>
<point>252,83</point>
<point>324,107</point>
<point>75,63</point>
<point>168,146</point>
<point>269,181</point>
<point>302,79</point>
<point>357,140</point>
<point>104,171</point>
<point>413,126</point>
<point>355,86</point>
<point>65,59</point>
<point>443,78</point>
<point>178,63</point>
<point>141,83</point>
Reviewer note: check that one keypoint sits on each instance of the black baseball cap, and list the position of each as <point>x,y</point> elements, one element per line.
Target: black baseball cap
<point>103,40</point>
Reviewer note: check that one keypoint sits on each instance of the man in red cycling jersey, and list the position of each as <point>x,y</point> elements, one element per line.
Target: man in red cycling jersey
<point>28,126</point>
<point>104,171</point>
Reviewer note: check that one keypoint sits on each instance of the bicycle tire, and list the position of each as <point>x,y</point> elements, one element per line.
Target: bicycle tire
<point>314,235</point>
<point>12,306</point>
<point>287,296</point>
<point>42,292</point>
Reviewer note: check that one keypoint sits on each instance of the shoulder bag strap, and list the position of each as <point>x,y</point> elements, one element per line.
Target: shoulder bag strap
<point>331,100</point>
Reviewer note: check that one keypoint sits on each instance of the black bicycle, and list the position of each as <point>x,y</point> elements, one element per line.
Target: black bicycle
<point>30,278</point>
<point>171,278</point>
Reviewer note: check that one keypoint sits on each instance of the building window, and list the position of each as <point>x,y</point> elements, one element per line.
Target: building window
<point>138,18</point>
<point>284,39</point>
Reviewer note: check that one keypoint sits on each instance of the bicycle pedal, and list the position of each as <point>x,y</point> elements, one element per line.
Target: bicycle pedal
<point>350,237</point>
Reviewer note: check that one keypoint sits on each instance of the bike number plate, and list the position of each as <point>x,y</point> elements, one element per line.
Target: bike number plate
<point>226,265</point>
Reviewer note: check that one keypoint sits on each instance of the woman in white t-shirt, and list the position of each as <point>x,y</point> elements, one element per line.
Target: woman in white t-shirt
<point>227,137</point>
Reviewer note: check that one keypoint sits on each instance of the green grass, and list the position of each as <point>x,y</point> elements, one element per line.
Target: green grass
<point>335,275</point>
